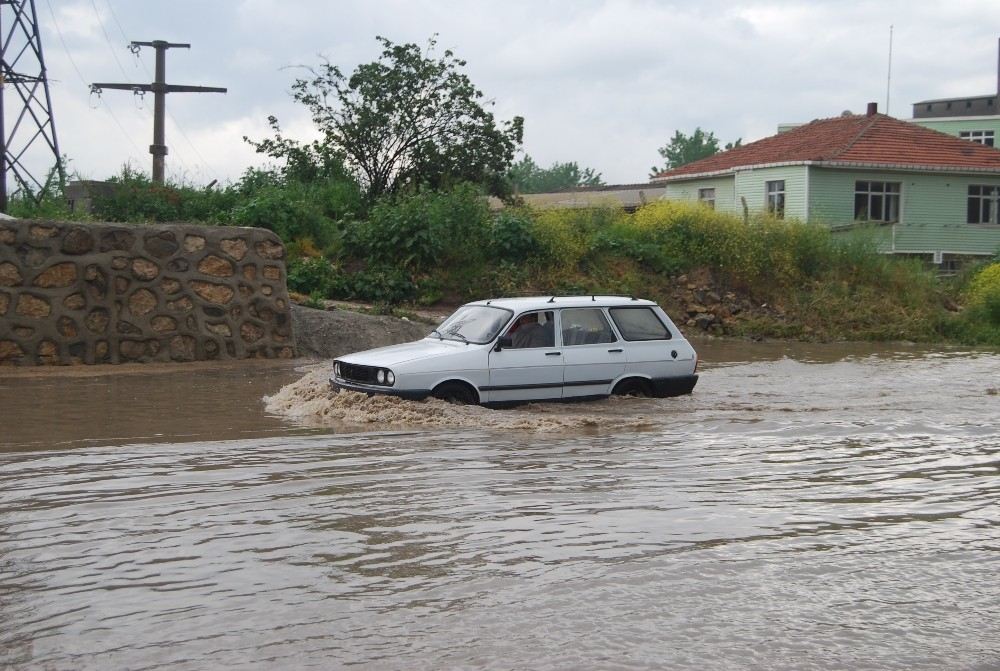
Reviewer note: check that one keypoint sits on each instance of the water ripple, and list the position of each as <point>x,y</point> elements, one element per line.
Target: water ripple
<point>753,526</point>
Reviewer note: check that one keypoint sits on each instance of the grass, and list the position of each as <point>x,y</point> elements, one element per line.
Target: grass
<point>791,279</point>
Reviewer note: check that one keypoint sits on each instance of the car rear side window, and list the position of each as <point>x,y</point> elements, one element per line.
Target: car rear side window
<point>639,324</point>
<point>587,326</point>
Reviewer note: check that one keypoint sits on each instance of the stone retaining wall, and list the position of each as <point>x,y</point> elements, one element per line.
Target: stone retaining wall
<point>74,293</point>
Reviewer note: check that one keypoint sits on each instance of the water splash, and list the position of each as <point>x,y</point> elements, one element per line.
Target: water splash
<point>311,401</point>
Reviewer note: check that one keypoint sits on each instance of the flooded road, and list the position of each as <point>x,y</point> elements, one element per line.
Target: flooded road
<point>808,507</point>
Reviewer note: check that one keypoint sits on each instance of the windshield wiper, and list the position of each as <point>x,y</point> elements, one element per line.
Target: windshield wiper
<point>464,339</point>
<point>440,337</point>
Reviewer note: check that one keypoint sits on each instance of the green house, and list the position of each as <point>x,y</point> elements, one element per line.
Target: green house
<point>925,192</point>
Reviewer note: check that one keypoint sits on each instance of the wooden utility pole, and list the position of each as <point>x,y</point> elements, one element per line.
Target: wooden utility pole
<point>160,89</point>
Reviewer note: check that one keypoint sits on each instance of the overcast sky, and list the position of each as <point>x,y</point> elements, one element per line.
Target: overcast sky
<point>604,83</point>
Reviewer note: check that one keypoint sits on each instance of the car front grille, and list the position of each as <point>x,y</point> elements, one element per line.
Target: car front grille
<point>355,373</point>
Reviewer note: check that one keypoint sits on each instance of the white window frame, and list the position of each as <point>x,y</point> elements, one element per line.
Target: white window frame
<point>985,137</point>
<point>879,189</point>
<point>987,197</point>
<point>774,197</point>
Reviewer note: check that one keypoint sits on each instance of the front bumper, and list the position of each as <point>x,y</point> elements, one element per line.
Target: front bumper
<point>409,394</point>
<point>674,386</point>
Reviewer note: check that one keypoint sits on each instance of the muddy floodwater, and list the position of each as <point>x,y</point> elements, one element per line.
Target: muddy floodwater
<point>808,507</point>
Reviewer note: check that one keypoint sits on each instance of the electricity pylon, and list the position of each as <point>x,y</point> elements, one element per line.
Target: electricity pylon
<point>27,128</point>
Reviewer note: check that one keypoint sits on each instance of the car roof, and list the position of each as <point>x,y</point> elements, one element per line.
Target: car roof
<point>521,303</point>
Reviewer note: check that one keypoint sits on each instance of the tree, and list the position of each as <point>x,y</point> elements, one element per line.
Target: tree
<point>528,177</point>
<point>406,119</point>
<point>683,149</point>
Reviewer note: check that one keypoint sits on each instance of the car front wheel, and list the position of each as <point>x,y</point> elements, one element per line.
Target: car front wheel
<point>456,393</point>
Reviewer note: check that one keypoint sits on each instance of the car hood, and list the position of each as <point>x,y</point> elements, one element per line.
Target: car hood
<point>393,355</point>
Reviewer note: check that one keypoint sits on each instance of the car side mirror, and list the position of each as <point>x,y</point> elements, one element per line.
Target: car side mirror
<point>503,341</point>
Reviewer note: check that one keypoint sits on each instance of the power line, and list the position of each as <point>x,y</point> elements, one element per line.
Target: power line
<point>107,39</point>
<point>120,127</point>
<point>144,113</point>
<point>117,22</point>
<point>192,145</point>
<point>138,56</point>
<point>63,42</point>
<point>160,89</point>
<point>55,23</point>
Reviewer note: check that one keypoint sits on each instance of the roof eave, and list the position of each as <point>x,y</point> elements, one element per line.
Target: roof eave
<point>848,165</point>
<point>907,167</point>
<point>728,171</point>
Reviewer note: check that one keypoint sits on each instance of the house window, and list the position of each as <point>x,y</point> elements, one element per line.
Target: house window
<point>776,197</point>
<point>980,136</point>
<point>876,201</point>
<point>984,201</point>
<point>707,197</point>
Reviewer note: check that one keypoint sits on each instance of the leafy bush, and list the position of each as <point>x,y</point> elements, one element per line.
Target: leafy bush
<point>311,275</point>
<point>379,284</point>
<point>983,294</point>
<point>133,197</point>
<point>418,231</point>
<point>564,236</point>
<point>512,238</point>
<point>289,211</point>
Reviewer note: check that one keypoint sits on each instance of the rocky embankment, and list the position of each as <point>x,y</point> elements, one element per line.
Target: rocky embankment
<point>699,301</point>
<point>326,334</point>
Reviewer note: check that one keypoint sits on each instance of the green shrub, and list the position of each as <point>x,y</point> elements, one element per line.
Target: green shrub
<point>289,211</point>
<point>563,236</point>
<point>133,197</point>
<point>312,275</point>
<point>315,301</point>
<point>983,294</point>
<point>378,284</point>
<point>512,238</point>
<point>422,230</point>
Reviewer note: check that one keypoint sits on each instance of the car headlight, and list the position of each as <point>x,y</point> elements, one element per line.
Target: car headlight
<point>390,378</point>
<point>336,368</point>
<point>380,376</point>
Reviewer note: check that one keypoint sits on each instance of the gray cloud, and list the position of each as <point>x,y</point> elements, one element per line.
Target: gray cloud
<point>601,83</point>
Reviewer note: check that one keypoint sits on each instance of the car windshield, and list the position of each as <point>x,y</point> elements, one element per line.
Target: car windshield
<point>477,324</point>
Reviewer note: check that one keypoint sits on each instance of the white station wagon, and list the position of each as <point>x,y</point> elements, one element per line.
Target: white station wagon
<point>515,350</point>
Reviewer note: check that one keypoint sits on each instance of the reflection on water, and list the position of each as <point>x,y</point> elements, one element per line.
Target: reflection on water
<point>828,508</point>
<point>47,408</point>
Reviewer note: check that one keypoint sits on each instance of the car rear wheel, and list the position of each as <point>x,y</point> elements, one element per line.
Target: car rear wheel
<point>632,386</point>
<point>456,393</point>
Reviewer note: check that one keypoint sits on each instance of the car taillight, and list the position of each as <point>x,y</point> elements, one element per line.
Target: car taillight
<point>695,364</point>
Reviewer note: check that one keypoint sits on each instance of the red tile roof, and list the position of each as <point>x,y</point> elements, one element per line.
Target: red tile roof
<point>876,140</point>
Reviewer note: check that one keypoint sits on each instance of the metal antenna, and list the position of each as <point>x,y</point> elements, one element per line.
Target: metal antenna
<point>32,133</point>
<point>160,89</point>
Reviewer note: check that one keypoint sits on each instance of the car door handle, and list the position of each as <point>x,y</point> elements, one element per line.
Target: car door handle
<point>553,353</point>
<point>617,349</point>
